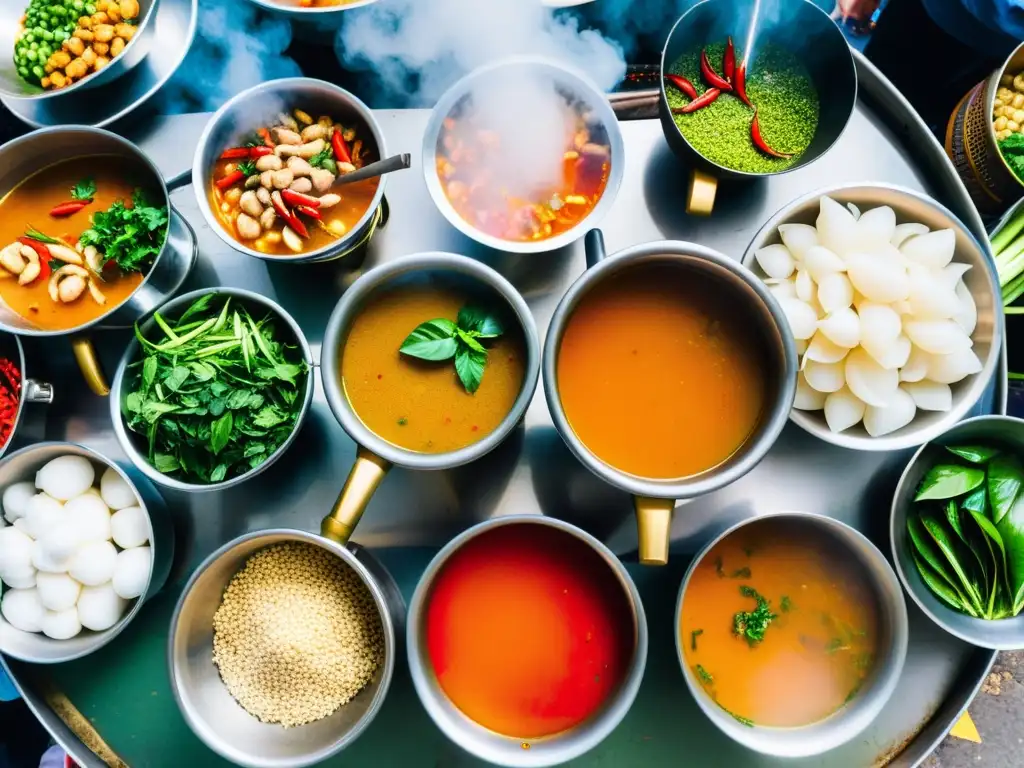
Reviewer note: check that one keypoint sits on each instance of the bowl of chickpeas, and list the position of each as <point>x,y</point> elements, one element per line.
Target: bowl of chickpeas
<point>50,47</point>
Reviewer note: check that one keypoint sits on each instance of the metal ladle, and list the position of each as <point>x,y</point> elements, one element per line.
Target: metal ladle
<point>379,168</point>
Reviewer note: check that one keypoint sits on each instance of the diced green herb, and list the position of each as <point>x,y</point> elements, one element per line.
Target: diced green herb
<point>441,339</point>
<point>703,675</point>
<point>751,625</point>
<point>84,190</point>
<point>403,421</point>
<point>741,573</point>
<point>693,638</point>
<point>719,567</point>
<point>785,604</point>
<point>132,236</point>
<point>742,720</point>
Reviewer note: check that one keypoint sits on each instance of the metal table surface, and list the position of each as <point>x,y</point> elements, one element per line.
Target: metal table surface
<point>123,689</point>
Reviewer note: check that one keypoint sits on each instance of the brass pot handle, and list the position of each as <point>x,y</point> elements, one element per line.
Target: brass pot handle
<point>89,362</point>
<point>653,525</point>
<point>700,198</point>
<point>362,481</point>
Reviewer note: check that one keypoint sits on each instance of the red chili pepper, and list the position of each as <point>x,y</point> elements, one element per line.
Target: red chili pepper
<point>682,84</point>
<point>340,148</point>
<point>290,218</point>
<point>305,210</point>
<point>729,59</point>
<point>705,98</point>
<point>299,227</point>
<point>232,178</point>
<point>755,135</point>
<point>294,198</point>
<point>265,135</point>
<point>234,153</point>
<point>42,252</point>
<point>255,152</point>
<point>740,82</point>
<point>68,208</point>
<point>713,78</point>
<point>10,388</point>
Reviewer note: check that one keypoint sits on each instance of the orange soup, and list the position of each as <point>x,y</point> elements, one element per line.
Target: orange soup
<point>44,220</point>
<point>658,374</point>
<point>528,630</point>
<point>422,405</point>
<point>779,625</point>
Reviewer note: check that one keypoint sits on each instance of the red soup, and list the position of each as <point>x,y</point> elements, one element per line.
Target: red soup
<point>529,631</point>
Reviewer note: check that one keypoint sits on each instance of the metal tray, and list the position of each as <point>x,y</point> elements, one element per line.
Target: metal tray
<point>123,690</point>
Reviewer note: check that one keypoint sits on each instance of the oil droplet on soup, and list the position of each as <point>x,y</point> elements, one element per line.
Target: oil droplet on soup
<point>528,630</point>
<point>818,623</point>
<point>417,404</point>
<point>659,375</point>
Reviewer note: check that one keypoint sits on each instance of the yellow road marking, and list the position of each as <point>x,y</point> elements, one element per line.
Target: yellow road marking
<point>966,729</point>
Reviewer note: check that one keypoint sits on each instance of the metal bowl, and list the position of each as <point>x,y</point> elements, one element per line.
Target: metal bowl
<point>981,281</point>
<point>209,709</point>
<point>134,445</point>
<point>496,748</point>
<point>877,688</point>
<point>569,83</point>
<point>1000,634</point>
<point>13,86</point>
<point>26,424</point>
<point>655,499</point>
<point>38,648</point>
<point>323,16</point>
<point>241,115</point>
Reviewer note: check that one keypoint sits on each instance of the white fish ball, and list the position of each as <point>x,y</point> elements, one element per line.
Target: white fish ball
<point>930,297</point>
<point>954,367</point>
<point>868,380</point>
<point>967,317</point>
<point>835,292</point>
<point>896,414</point>
<point>16,498</point>
<point>804,286</point>
<point>57,591</point>
<point>798,238</point>
<point>916,367</point>
<point>61,625</point>
<point>824,377</point>
<point>807,398</point>
<point>802,318</point>
<point>894,355</point>
<point>878,278</point>
<point>115,491</point>
<point>822,350</point>
<point>42,561</point>
<point>129,527</point>
<point>953,273</point>
<point>21,578</point>
<point>132,572</point>
<point>905,231</point>
<point>65,477</point>
<point>776,261</point>
<point>16,549</point>
<point>930,395</point>
<point>94,563</point>
<point>22,525</point>
<point>820,261</point>
<point>22,609</point>
<point>836,226</point>
<point>876,227</point>
<point>934,250</point>
<point>843,409</point>
<point>100,607</point>
<point>60,542</point>
<point>90,516</point>
<point>841,327</point>
<point>44,513</point>
<point>940,337</point>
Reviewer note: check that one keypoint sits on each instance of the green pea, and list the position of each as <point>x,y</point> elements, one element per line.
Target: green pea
<point>90,8</point>
<point>29,37</point>
<point>78,4</point>
<point>38,72</point>
<point>30,55</point>
<point>24,72</point>
<point>45,52</point>
<point>47,35</point>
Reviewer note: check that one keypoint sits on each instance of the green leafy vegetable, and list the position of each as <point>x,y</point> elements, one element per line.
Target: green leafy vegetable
<point>703,675</point>
<point>751,625</point>
<point>1011,529</point>
<point>1012,149</point>
<point>741,719</point>
<point>741,573</point>
<point>84,190</point>
<point>1005,476</point>
<point>42,237</point>
<point>693,638</point>
<point>957,563</point>
<point>976,454</point>
<point>441,339</point>
<point>944,481</point>
<point>940,587</point>
<point>215,393</point>
<point>130,236</point>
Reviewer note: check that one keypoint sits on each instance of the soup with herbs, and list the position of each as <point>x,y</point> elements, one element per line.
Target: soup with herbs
<point>528,630</point>
<point>76,240</point>
<point>659,374</point>
<point>779,624</point>
<point>428,369</point>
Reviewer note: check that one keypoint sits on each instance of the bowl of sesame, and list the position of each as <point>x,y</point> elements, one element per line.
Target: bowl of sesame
<point>282,647</point>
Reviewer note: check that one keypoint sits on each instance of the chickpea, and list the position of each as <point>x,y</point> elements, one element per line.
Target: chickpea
<point>88,35</point>
<point>75,46</point>
<point>129,8</point>
<point>85,22</point>
<point>1018,82</point>
<point>114,15</point>
<point>1005,94</point>
<point>77,69</point>
<point>233,195</point>
<point>125,31</point>
<point>45,82</point>
<point>101,62</point>
<point>101,49</point>
<point>997,103</point>
<point>1006,80</point>
<point>116,46</point>
<point>225,208</point>
<point>1012,126</point>
<point>999,111</point>
<point>60,59</point>
<point>100,18</point>
<point>103,32</point>
<point>999,124</point>
<point>57,80</point>
<point>89,57</point>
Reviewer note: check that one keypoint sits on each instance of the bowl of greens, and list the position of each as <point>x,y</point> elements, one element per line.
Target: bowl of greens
<point>957,530</point>
<point>212,390</point>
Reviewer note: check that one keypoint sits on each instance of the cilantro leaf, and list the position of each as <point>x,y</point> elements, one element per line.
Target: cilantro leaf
<point>84,190</point>
<point>132,236</point>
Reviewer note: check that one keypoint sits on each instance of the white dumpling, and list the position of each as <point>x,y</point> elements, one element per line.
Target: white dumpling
<point>803,320</point>
<point>880,279</point>
<point>798,238</point>
<point>57,591</point>
<point>893,355</point>
<point>16,498</point>
<point>835,292</point>
<point>836,226</point>
<point>843,409</point>
<point>115,491</point>
<point>934,250</point>
<point>61,625</point>
<point>822,350</point>
<point>880,326</point>
<point>930,297</point>
<point>916,367</point>
<point>60,542</point>
<point>100,607</point>
<point>824,377</point>
<point>44,512</point>
<point>776,261</point>
<point>16,549</point>
<point>841,327</point>
<point>939,337</point>
<point>782,289</point>
<point>876,227</point>
<point>954,272</point>
<point>42,561</point>
<point>868,380</point>
<point>819,261</point>
<point>90,516</point>
<point>65,477</point>
<point>132,572</point>
<point>954,367</point>
<point>905,231</point>
<point>896,414</point>
<point>967,317</point>
<point>22,609</point>
<point>807,399</point>
<point>129,527</point>
<point>94,563</point>
<point>930,395</point>
<point>804,286</point>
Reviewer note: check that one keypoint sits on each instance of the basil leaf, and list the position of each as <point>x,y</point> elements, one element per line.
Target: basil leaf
<point>469,341</point>
<point>432,340</point>
<point>927,550</point>
<point>946,545</point>
<point>1005,476</point>
<point>220,432</point>
<point>938,587</point>
<point>1011,529</point>
<point>469,364</point>
<point>976,501</point>
<point>976,454</point>
<point>944,481</point>
<point>219,473</point>
<point>479,321</point>
<point>148,373</point>
<point>165,463</point>
<point>953,518</point>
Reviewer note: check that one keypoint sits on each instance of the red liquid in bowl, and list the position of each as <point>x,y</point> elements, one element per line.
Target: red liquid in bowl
<point>528,630</point>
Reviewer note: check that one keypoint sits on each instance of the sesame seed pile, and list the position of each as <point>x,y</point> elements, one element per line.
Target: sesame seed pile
<point>296,635</point>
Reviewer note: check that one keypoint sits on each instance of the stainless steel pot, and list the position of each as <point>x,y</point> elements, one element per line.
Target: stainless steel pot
<point>25,156</point>
<point>494,747</point>
<point>241,115</point>
<point>880,684</point>
<point>655,499</point>
<point>210,711</point>
<point>33,392</point>
<point>375,456</point>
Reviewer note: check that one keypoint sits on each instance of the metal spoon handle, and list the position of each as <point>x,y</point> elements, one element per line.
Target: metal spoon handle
<point>387,165</point>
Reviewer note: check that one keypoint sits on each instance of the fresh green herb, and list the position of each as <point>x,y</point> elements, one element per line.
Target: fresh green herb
<point>748,551</point>
<point>441,339</point>
<point>976,454</point>
<point>852,694</point>
<point>703,675</point>
<point>1004,478</point>
<point>741,720</point>
<point>84,190</point>
<point>785,604</point>
<point>35,234</point>
<point>741,573</point>
<point>403,421</point>
<point>719,567</point>
<point>247,167</point>
<point>216,393</point>
<point>751,625</point>
<point>1012,149</point>
<point>130,236</point>
<point>325,159</point>
<point>693,638</point>
<point>945,481</point>
<point>835,645</point>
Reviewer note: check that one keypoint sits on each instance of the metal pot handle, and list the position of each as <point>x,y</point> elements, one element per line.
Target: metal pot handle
<point>179,180</point>
<point>593,246</point>
<point>700,197</point>
<point>89,363</point>
<point>34,391</point>
<point>362,481</point>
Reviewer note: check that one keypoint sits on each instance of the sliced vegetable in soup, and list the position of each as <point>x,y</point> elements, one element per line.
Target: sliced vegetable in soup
<point>779,625</point>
